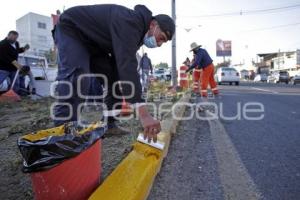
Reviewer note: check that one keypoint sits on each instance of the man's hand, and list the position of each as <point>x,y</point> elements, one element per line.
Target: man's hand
<point>187,71</point>
<point>126,109</point>
<point>26,47</point>
<point>25,70</point>
<point>151,126</point>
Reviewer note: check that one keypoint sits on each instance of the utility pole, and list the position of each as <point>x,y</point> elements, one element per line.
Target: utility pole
<point>174,73</point>
<point>278,59</point>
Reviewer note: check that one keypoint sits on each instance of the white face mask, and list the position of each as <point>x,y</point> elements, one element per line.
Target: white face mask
<point>150,41</point>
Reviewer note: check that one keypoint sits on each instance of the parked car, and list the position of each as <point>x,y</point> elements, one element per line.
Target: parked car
<point>277,77</point>
<point>158,74</point>
<point>244,74</point>
<point>168,74</point>
<point>39,68</point>
<point>162,74</point>
<point>270,79</point>
<point>260,78</point>
<point>227,75</point>
<point>296,79</point>
<point>38,65</point>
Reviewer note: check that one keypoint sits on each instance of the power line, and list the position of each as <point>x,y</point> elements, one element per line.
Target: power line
<point>248,12</point>
<point>188,29</point>
<point>272,27</point>
<point>273,9</point>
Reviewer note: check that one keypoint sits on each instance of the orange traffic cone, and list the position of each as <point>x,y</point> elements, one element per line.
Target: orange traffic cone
<point>10,95</point>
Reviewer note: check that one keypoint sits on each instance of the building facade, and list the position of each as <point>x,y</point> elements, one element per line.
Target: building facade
<point>280,61</point>
<point>35,30</point>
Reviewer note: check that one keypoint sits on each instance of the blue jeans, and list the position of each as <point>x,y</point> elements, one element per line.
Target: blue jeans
<point>31,83</point>
<point>95,89</point>
<point>11,75</point>
<point>145,78</point>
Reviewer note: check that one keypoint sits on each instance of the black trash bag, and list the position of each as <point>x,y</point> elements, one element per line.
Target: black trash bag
<point>47,148</point>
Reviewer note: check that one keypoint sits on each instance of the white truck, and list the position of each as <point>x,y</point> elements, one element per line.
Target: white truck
<point>162,74</point>
<point>39,68</point>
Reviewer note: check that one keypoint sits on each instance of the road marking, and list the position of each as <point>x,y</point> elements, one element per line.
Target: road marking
<point>271,91</point>
<point>236,181</point>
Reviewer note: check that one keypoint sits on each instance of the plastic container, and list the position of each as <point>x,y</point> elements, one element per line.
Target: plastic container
<point>73,179</point>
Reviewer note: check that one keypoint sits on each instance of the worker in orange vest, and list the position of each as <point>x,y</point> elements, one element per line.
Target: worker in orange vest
<point>204,62</point>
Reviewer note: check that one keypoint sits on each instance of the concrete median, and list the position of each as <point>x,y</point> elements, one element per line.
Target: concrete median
<point>134,176</point>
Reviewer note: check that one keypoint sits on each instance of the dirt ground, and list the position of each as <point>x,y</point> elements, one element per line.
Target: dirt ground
<point>17,119</point>
<point>21,118</point>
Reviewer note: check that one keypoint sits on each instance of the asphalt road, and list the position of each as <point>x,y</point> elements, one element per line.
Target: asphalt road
<point>269,148</point>
<point>240,158</point>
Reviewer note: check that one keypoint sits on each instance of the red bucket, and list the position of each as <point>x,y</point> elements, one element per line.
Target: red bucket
<point>75,178</point>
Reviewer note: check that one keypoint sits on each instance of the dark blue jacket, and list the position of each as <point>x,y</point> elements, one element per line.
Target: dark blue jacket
<point>112,29</point>
<point>202,59</point>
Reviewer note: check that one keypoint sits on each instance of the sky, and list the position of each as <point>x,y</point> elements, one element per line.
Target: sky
<point>268,31</point>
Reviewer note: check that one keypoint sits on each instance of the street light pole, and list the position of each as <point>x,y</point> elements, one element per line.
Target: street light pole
<point>174,72</point>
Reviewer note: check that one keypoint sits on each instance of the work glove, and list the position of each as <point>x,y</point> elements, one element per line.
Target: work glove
<point>26,47</point>
<point>187,71</point>
<point>25,70</point>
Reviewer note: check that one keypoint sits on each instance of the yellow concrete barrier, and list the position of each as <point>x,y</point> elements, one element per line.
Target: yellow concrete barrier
<point>134,176</point>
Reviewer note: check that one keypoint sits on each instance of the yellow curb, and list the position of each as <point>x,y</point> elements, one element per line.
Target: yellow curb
<point>133,177</point>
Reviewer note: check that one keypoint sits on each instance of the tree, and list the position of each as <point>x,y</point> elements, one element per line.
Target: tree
<point>51,56</point>
<point>222,64</point>
<point>162,65</point>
